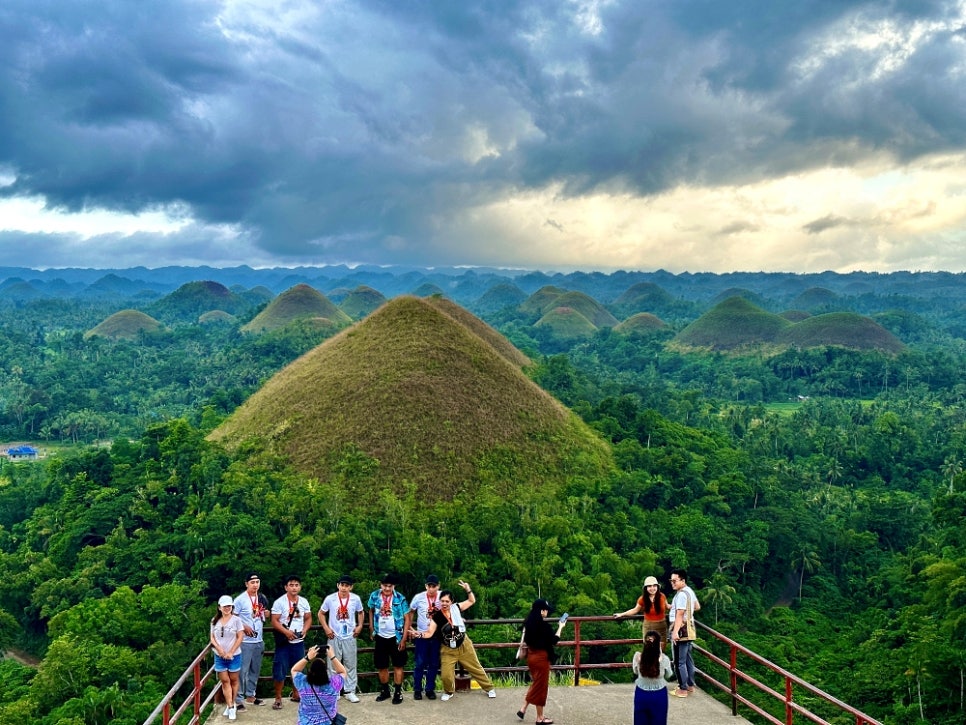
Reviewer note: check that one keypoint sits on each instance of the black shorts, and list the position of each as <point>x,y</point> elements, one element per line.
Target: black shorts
<point>387,652</point>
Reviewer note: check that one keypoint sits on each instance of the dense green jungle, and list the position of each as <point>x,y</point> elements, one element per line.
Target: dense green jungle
<point>817,498</point>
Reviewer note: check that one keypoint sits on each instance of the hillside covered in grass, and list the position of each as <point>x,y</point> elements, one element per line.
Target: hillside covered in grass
<point>301,302</point>
<point>737,324</point>
<point>124,325</point>
<point>414,395</point>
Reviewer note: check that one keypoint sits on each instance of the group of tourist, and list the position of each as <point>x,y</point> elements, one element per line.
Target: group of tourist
<point>663,621</point>
<point>440,642</point>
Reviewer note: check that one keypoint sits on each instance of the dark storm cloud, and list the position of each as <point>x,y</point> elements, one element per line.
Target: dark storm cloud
<point>360,130</point>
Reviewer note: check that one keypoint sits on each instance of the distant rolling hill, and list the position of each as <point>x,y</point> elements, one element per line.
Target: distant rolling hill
<point>193,299</point>
<point>362,301</point>
<point>414,395</point>
<point>732,323</point>
<point>843,329</point>
<point>301,302</point>
<point>643,323</point>
<point>566,323</point>
<point>124,325</point>
<point>738,325</point>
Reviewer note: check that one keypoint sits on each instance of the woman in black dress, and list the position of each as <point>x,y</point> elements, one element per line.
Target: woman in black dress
<point>540,639</point>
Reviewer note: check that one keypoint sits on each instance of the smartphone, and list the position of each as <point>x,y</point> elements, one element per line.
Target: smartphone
<point>563,618</point>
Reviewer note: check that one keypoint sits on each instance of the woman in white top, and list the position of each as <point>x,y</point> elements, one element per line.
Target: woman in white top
<point>652,667</point>
<point>227,632</point>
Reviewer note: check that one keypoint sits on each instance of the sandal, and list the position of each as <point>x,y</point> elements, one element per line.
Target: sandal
<point>545,721</point>
<point>277,705</point>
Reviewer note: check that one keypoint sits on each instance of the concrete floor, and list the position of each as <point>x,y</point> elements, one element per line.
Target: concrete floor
<point>594,705</point>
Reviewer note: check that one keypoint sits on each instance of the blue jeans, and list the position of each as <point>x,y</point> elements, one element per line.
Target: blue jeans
<point>684,663</point>
<point>427,664</point>
<point>251,653</point>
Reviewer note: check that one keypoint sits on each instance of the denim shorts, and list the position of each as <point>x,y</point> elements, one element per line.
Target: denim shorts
<point>232,665</point>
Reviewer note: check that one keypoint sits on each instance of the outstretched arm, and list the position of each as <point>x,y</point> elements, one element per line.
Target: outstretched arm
<point>470,596</point>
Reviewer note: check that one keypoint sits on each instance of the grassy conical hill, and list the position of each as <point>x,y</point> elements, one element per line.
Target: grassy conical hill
<point>499,297</point>
<point>217,317</point>
<point>481,329</point>
<point>746,294</point>
<point>298,302</point>
<point>362,301</point>
<point>193,299</point>
<point>124,325</point>
<point>428,289</point>
<point>588,307</point>
<point>814,298</point>
<point>731,324</point>
<point>796,315</point>
<point>542,300</point>
<point>410,396</point>
<point>643,297</point>
<point>643,323</point>
<point>21,291</point>
<point>566,323</point>
<point>843,329</point>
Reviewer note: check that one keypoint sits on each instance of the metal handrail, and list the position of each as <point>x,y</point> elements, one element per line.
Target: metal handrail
<point>735,676</point>
<point>789,681</point>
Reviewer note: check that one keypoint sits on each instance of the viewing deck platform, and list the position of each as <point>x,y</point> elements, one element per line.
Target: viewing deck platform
<point>593,705</point>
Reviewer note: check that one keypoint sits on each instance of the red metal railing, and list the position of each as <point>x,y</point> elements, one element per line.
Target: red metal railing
<point>201,674</point>
<point>789,683</point>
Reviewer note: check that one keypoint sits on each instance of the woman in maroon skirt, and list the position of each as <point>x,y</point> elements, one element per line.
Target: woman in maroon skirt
<point>540,639</point>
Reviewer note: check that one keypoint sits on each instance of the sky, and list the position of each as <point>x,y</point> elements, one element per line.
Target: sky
<point>685,135</point>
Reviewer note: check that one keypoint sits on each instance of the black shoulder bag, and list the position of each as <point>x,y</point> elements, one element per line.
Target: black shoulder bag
<point>339,718</point>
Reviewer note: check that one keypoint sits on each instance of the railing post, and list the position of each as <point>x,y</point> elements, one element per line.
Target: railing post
<point>577,653</point>
<point>197,693</point>
<point>734,680</point>
<point>166,714</point>
<point>789,713</point>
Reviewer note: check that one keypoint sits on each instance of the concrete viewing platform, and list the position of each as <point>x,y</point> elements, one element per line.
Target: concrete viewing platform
<point>593,705</point>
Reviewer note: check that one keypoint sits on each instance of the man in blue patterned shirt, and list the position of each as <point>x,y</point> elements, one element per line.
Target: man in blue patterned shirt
<point>389,617</point>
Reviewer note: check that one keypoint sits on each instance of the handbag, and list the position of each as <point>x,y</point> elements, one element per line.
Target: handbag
<point>523,650</point>
<point>686,631</point>
<point>339,718</point>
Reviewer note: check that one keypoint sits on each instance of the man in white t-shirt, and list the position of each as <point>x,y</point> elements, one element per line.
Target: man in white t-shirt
<point>426,667</point>
<point>252,607</point>
<point>680,614</point>
<point>291,621</point>
<point>341,616</point>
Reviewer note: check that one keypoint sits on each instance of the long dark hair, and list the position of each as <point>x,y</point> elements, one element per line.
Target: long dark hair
<point>214,620</point>
<point>318,674</point>
<point>651,655</point>
<point>534,618</point>
<point>655,605</point>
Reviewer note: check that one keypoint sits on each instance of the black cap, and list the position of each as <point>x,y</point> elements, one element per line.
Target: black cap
<point>432,579</point>
<point>345,579</point>
<point>251,575</point>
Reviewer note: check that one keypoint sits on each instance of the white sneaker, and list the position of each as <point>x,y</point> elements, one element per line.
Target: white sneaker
<point>227,710</point>
<point>445,696</point>
<point>352,697</point>
<point>232,714</point>
<point>491,694</point>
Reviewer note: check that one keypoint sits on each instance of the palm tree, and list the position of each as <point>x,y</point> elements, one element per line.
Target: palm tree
<point>807,558</point>
<point>951,468</point>
<point>719,592</point>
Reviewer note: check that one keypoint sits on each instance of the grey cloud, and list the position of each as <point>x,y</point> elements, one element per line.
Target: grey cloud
<point>827,222</point>
<point>355,134</point>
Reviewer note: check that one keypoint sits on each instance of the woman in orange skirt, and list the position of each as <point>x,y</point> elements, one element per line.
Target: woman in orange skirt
<point>540,640</point>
